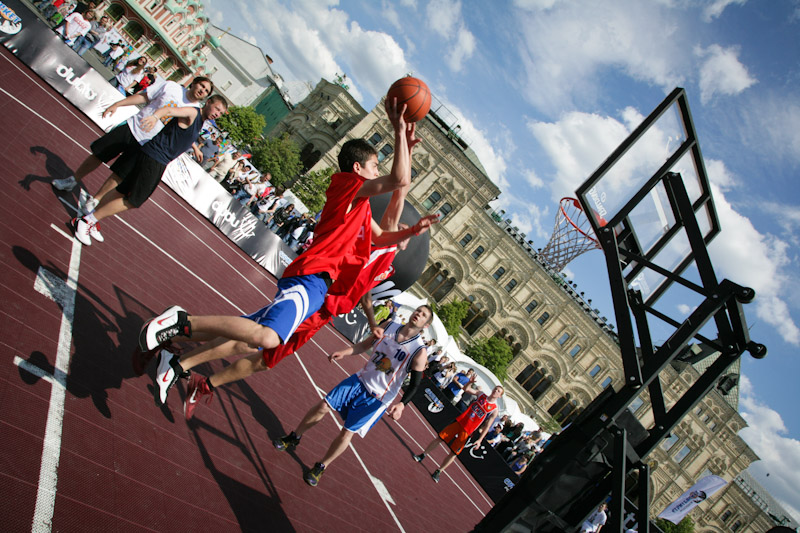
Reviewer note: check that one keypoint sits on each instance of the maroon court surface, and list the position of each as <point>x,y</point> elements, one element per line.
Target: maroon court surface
<point>82,445</point>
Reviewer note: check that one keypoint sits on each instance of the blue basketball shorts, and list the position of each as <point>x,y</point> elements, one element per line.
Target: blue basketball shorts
<point>358,408</point>
<point>298,298</point>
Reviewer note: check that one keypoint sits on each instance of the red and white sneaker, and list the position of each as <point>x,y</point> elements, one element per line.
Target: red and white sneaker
<point>81,229</point>
<point>198,387</point>
<point>140,359</point>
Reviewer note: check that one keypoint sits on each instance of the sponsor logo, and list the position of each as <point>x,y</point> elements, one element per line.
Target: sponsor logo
<point>435,405</point>
<point>80,85</point>
<point>477,452</point>
<point>243,229</point>
<point>386,274</point>
<point>508,484</point>
<point>10,23</point>
<point>598,199</point>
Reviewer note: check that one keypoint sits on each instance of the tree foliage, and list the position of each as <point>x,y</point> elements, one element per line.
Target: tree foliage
<point>493,353</point>
<point>685,526</point>
<point>243,124</point>
<point>279,156</point>
<point>311,187</point>
<point>452,314</point>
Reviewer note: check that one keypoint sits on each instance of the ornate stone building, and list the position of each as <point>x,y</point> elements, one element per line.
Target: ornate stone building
<point>564,352</point>
<point>170,33</point>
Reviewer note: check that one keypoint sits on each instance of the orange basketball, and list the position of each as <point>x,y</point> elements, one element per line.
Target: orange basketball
<point>414,93</point>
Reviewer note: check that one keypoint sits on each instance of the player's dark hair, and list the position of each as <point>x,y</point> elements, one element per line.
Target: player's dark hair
<point>217,98</point>
<point>355,151</point>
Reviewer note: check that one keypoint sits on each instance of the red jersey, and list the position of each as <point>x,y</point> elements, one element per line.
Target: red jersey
<point>342,238</point>
<point>343,299</point>
<point>380,264</point>
<point>475,414</point>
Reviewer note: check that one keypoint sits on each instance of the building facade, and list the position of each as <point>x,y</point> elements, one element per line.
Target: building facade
<point>565,353</point>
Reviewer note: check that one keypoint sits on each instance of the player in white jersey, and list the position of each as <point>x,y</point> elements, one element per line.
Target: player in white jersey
<point>362,398</point>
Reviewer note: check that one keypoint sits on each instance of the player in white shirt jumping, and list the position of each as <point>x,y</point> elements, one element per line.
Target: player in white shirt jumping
<point>362,398</point>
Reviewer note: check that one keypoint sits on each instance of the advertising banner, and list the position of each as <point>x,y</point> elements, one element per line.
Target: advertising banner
<point>35,44</point>
<point>484,463</point>
<point>690,499</point>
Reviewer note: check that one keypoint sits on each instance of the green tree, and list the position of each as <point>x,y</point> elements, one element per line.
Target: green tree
<point>311,188</point>
<point>452,314</point>
<point>685,526</point>
<point>279,156</point>
<point>493,353</point>
<point>243,125</point>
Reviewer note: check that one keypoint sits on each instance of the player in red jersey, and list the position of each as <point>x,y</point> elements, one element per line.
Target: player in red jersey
<point>341,249</point>
<point>484,408</point>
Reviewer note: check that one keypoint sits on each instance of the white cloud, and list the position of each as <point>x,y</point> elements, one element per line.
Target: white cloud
<point>780,455</point>
<point>715,8</point>
<point>721,72</point>
<point>533,179</point>
<point>769,125</point>
<point>685,310</point>
<point>565,47</point>
<point>443,17</point>
<point>462,50</point>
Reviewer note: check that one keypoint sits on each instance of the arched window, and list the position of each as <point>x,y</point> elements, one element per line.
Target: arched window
<point>375,139</point>
<point>499,272</point>
<point>166,64</point>
<point>563,408</point>
<point>564,338</point>
<point>443,289</point>
<point>465,241</point>
<point>575,350</point>
<point>543,318</point>
<point>134,30</point>
<point>477,252</point>
<point>475,318</point>
<point>510,285</point>
<point>534,380</point>
<point>736,526</point>
<point>309,156</point>
<point>178,75</point>
<point>595,371</point>
<point>431,200</point>
<point>727,514</point>
<point>444,210</point>
<point>531,306</point>
<point>115,11</point>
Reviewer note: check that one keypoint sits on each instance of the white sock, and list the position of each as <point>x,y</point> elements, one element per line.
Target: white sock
<point>89,217</point>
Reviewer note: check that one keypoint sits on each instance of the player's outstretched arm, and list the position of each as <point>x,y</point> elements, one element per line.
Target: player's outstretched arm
<point>391,216</point>
<point>134,99</point>
<point>181,113</point>
<point>385,238</point>
<point>400,174</point>
<point>366,305</point>
<point>361,347</point>
<point>417,367</point>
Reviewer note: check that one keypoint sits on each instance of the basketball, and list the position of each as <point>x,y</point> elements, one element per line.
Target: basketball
<point>414,93</point>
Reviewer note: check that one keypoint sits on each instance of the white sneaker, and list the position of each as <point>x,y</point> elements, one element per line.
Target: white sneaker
<point>87,202</point>
<point>81,229</point>
<point>94,231</point>
<point>158,330</point>
<point>65,184</point>
<point>165,377</point>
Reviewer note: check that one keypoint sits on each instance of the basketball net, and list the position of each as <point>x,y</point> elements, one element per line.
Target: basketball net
<point>572,235</point>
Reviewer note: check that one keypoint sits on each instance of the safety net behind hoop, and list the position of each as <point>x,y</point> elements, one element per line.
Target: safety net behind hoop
<point>572,235</point>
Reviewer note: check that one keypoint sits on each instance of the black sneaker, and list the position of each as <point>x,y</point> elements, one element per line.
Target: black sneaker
<point>172,322</point>
<point>313,475</point>
<point>418,458</point>
<point>436,475</point>
<point>287,443</point>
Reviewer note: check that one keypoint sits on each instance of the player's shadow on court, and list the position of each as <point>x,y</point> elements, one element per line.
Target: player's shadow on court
<point>103,337</point>
<point>55,168</point>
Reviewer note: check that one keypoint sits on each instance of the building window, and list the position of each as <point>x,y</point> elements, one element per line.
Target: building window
<point>475,317</point>
<point>414,173</point>
<point>543,318</point>
<point>385,152</point>
<point>575,350</point>
<point>595,371</point>
<point>166,64</point>
<point>712,426</point>
<point>134,30</point>
<point>564,338</point>
<point>499,272</point>
<point>477,252</point>
<point>534,380</point>
<point>465,241</point>
<point>431,200</point>
<point>682,453</point>
<point>669,442</point>
<point>154,5</point>
<point>444,210</point>
<point>736,525</point>
<point>606,382</point>
<point>636,404</point>
<point>115,11</point>
<point>227,85</point>
<point>510,285</point>
<point>727,514</point>
<point>531,306</point>
<point>154,52</point>
<point>375,139</point>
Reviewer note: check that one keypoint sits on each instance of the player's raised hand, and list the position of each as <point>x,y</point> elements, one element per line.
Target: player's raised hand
<point>395,114</point>
<point>425,223</point>
<point>411,139</point>
<point>396,411</point>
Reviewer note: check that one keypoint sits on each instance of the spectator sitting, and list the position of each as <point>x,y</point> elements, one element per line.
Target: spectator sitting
<point>494,436</point>
<point>445,375</point>
<point>520,464</point>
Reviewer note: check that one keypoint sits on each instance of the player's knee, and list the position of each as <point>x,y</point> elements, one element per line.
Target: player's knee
<point>267,338</point>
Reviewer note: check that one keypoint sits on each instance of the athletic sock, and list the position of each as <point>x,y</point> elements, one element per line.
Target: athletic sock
<point>89,217</point>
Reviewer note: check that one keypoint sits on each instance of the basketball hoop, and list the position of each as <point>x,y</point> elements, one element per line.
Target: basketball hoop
<point>572,235</point>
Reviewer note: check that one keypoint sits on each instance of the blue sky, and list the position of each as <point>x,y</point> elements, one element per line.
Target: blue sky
<point>546,89</point>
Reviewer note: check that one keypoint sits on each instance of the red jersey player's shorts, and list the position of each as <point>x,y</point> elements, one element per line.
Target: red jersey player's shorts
<point>455,437</point>
<point>301,335</point>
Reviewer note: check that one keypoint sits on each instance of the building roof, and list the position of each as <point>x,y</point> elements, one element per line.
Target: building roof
<point>764,500</point>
